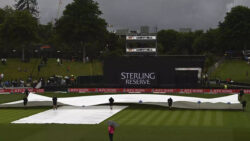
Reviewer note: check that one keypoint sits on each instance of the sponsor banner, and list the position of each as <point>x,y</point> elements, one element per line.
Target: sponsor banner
<point>109,90</point>
<point>73,90</point>
<point>81,90</point>
<point>138,90</point>
<point>87,90</point>
<point>5,91</point>
<point>246,91</point>
<point>134,90</point>
<point>20,90</point>
<point>207,91</point>
<point>191,91</point>
<point>165,90</point>
<point>219,91</point>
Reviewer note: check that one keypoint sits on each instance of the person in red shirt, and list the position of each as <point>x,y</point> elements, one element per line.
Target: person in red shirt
<point>111,132</point>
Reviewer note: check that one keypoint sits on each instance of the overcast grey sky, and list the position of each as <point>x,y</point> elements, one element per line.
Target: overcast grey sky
<point>196,14</point>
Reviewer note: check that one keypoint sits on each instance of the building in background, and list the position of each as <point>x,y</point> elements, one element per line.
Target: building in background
<point>122,32</point>
<point>144,30</point>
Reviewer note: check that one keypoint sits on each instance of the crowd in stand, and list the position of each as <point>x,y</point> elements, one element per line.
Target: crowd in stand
<point>53,81</point>
<point>4,83</point>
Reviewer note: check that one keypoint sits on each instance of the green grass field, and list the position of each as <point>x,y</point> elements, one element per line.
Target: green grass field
<point>235,69</point>
<point>76,68</point>
<point>137,123</point>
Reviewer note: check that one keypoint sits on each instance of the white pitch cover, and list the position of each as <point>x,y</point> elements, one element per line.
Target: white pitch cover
<point>72,115</point>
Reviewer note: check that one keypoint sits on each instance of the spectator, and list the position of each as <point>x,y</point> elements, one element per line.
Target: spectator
<point>87,59</point>
<point>58,61</point>
<point>67,80</point>
<point>21,83</point>
<point>2,76</point>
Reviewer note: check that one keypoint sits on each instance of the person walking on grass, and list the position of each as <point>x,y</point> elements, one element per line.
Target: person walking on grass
<point>54,99</point>
<point>111,130</point>
<point>25,101</point>
<point>111,102</point>
<point>170,103</point>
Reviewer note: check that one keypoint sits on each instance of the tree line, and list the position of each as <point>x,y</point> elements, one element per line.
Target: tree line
<point>81,32</point>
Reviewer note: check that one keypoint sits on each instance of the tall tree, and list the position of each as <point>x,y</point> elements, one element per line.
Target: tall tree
<point>19,30</point>
<point>234,30</point>
<point>115,46</point>
<point>29,5</point>
<point>207,43</point>
<point>2,18</point>
<point>81,27</point>
<point>167,39</point>
<point>2,15</point>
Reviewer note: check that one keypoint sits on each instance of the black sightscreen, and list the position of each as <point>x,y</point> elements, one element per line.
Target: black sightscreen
<point>151,71</point>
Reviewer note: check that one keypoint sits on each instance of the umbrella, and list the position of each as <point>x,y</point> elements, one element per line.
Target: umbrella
<point>112,123</point>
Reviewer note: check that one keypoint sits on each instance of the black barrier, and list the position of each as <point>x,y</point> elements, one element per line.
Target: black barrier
<point>153,71</point>
<point>86,80</point>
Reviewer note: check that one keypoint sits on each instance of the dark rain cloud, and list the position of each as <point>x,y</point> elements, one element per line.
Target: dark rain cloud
<point>196,14</point>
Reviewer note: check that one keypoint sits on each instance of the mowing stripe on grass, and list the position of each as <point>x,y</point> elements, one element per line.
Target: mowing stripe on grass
<point>195,118</point>
<point>139,117</point>
<point>130,115</point>
<point>155,114</point>
<point>119,115</point>
<point>213,120</point>
<point>202,116</point>
<point>207,121</point>
<point>244,120</point>
<point>10,114</point>
<point>161,119</point>
<point>15,115</point>
<point>184,118</point>
<point>173,116</point>
<point>219,118</point>
<point>149,118</point>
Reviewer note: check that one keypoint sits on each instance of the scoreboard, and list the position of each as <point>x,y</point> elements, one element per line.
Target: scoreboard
<point>141,45</point>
